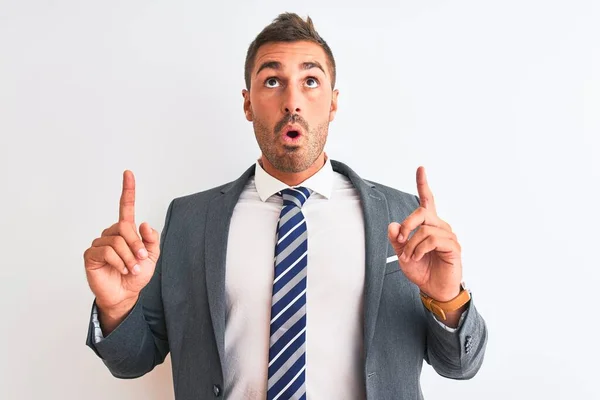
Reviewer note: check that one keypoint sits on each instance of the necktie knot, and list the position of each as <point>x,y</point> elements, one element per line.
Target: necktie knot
<point>295,196</point>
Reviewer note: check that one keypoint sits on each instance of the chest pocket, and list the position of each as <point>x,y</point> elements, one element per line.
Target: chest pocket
<point>392,265</point>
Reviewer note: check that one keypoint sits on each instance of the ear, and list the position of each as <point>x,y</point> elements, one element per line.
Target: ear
<point>334,104</point>
<point>247,105</point>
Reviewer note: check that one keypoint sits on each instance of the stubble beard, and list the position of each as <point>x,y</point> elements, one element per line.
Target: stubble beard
<point>291,158</point>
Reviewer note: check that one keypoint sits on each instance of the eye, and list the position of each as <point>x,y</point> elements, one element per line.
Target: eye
<point>312,82</point>
<point>271,83</point>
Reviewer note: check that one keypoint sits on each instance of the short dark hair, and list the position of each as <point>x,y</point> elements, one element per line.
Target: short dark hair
<point>287,27</point>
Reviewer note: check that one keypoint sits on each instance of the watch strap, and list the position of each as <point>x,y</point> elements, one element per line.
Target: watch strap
<point>440,308</point>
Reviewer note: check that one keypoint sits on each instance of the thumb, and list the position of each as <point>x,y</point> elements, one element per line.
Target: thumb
<point>151,240</point>
<point>393,234</point>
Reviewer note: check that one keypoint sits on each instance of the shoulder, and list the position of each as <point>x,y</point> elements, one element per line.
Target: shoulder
<point>397,200</point>
<point>195,205</point>
<point>392,193</point>
<point>199,198</point>
<point>189,211</point>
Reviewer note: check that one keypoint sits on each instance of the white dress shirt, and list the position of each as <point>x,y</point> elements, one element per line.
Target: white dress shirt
<point>334,294</point>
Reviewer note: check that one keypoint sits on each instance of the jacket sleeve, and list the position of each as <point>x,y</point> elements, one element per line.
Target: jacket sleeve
<point>140,342</point>
<point>458,354</point>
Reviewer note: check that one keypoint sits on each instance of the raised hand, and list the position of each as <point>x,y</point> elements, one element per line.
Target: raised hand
<point>431,258</point>
<point>121,262</point>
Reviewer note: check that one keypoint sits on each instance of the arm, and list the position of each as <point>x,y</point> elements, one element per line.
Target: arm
<point>139,340</point>
<point>430,256</point>
<point>458,354</point>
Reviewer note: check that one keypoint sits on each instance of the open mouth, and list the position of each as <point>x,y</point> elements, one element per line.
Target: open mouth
<point>291,135</point>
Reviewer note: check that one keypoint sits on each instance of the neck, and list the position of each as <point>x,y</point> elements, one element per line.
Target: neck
<point>293,178</point>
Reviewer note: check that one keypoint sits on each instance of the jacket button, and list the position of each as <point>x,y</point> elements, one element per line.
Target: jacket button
<point>217,390</point>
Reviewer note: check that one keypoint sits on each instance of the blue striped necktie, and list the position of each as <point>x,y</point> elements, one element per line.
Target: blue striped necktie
<point>287,354</point>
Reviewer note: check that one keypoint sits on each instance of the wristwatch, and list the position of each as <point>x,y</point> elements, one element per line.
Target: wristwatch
<point>439,309</point>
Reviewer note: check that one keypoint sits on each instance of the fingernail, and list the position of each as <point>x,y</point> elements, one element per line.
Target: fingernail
<point>125,271</point>
<point>142,253</point>
<point>400,238</point>
<point>403,256</point>
<point>136,269</point>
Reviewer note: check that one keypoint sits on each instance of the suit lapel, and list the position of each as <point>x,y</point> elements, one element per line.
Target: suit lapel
<point>376,217</point>
<point>218,219</point>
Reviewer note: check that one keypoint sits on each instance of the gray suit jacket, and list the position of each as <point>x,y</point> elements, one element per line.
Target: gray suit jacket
<point>182,309</point>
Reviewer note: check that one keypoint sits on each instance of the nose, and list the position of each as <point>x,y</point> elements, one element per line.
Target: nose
<point>291,100</point>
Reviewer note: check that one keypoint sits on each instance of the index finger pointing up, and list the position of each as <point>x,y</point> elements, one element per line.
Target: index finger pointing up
<point>127,202</point>
<point>425,195</point>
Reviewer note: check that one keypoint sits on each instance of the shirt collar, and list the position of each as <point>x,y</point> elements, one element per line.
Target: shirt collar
<point>267,185</point>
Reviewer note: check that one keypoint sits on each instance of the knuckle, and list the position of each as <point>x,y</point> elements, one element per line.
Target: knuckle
<point>122,227</point>
<point>420,233</point>
<point>117,241</point>
<point>434,241</point>
<point>106,251</point>
<point>130,234</point>
<point>107,231</point>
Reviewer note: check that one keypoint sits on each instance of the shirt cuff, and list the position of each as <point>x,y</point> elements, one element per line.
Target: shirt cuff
<point>98,336</point>
<point>447,328</point>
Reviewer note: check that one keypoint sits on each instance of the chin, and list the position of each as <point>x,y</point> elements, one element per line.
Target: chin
<point>292,162</point>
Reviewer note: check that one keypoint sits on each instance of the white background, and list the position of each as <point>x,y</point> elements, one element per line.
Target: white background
<point>500,101</point>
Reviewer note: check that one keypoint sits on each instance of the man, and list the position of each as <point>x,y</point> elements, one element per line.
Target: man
<point>296,280</point>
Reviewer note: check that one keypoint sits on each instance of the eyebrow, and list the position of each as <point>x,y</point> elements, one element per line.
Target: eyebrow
<point>276,65</point>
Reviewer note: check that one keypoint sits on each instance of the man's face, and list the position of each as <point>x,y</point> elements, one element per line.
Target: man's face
<point>290,103</point>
